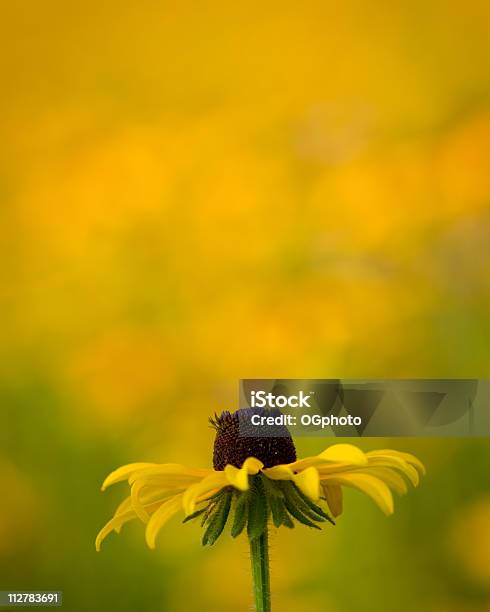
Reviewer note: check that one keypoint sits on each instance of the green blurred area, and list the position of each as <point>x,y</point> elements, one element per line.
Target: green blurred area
<point>193,193</point>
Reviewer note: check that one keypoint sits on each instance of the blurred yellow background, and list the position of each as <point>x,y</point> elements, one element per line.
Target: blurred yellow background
<point>194,192</point>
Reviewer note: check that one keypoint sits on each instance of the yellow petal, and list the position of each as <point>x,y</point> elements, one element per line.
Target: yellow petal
<point>252,465</point>
<point>167,483</point>
<point>410,459</point>
<point>239,477</point>
<point>308,482</point>
<point>118,520</point>
<point>389,477</point>
<point>334,457</point>
<point>160,517</point>
<point>216,480</point>
<point>170,472</point>
<point>333,495</point>
<point>113,524</point>
<point>136,502</point>
<point>395,461</point>
<point>344,453</point>
<point>123,473</point>
<point>279,472</point>
<point>303,464</point>
<point>375,488</point>
<point>124,506</point>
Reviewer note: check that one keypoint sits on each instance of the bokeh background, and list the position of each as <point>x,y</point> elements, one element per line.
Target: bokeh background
<point>194,192</point>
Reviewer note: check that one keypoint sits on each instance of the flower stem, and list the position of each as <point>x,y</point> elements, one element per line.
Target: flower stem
<point>259,553</point>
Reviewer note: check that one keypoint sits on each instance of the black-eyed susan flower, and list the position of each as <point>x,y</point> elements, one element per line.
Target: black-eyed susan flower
<point>257,481</point>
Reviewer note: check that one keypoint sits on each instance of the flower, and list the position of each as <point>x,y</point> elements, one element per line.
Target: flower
<point>262,478</point>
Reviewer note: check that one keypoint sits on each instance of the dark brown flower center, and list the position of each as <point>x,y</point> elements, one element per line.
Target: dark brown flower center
<point>232,445</point>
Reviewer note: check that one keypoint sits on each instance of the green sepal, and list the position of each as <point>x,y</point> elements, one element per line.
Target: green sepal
<point>257,509</point>
<point>272,488</point>
<point>207,512</point>
<point>292,494</point>
<point>286,521</point>
<point>278,511</point>
<point>293,507</point>
<point>241,514</point>
<point>217,519</point>
<point>214,497</point>
<point>194,515</point>
<point>314,507</point>
<point>275,499</point>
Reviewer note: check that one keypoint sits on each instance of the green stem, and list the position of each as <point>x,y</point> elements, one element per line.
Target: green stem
<point>259,553</point>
